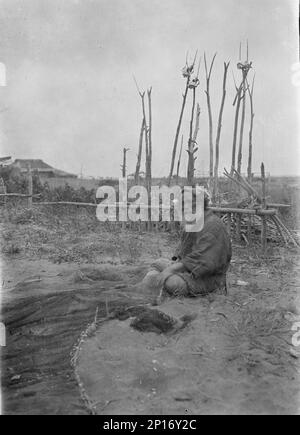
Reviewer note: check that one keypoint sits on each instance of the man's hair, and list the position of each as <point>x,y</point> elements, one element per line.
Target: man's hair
<point>194,188</point>
<point>206,200</point>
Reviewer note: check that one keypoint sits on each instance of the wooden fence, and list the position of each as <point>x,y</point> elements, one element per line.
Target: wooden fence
<point>235,218</point>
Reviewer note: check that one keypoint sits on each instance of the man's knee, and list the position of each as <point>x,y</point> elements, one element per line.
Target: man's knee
<point>176,285</point>
<point>160,264</point>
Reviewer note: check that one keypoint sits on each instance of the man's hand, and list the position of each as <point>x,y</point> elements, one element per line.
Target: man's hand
<point>171,270</point>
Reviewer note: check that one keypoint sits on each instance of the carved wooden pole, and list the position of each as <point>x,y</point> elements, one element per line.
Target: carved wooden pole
<point>235,128</point>
<point>187,72</point>
<point>210,120</point>
<point>30,186</point>
<point>240,151</point>
<point>178,129</point>
<point>139,156</point>
<point>124,166</point>
<point>179,159</point>
<point>190,170</point>
<point>149,156</point>
<point>217,152</point>
<point>249,170</point>
<point>264,205</point>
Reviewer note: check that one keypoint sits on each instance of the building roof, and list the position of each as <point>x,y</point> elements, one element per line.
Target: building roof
<point>34,164</point>
<point>3,159</point>
<point>40,166</point>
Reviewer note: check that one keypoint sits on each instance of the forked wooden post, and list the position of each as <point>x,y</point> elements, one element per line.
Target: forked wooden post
<point>217,149</point>
<point>208,72</point>
<point>5,199</point>
<point>238,226</point>
<point>187,73</point>
<point>4,194</point>
<point>249,229</point>
<point>124,165</point>
<point>179,160</point>
<point>264,205</point>
<point>229,223</point>
<point>30,187</point>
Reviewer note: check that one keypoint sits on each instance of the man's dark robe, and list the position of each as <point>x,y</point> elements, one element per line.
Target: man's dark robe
<point>206,256</point>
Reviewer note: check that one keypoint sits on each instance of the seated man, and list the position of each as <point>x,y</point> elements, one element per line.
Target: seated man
<point>201,261</point>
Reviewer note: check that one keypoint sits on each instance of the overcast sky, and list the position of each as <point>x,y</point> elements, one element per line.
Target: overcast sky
<point>71,99</point>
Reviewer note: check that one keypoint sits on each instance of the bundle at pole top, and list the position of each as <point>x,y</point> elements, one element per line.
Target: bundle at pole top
<point>188,69</point>
<point>246,65</point>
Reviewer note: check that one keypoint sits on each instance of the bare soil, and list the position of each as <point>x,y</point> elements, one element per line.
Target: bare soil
<point>235,357</point>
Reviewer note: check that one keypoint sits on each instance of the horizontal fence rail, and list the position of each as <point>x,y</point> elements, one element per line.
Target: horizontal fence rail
<point>234,218</point>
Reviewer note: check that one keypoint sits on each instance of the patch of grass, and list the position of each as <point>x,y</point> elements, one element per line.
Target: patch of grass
<point>7,235</point>
<point>21,216</point>
<point>259,322</point>
<point>99,274</point>
<point>11,249</point>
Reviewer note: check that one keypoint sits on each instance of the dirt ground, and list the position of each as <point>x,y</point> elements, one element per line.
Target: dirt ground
<point>59,272</point>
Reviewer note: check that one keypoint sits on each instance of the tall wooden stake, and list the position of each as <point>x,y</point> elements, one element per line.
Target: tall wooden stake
<point>179,159</point>
<point>149,155</point>
<point>124,166</point>
<point>178,130</point>
<point>210,120</point>
<point>197,123</point>
<point>190,170</point>
<point>264,205</point>
<point>187,73</point>
<point>235,128</point>
<point>30,187</point>
<point>139,156</point>
<point>249,169</point>
<point>240,152</point>
<point>217,152</point>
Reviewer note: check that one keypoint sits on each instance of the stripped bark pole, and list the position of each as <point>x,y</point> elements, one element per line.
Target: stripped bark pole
<point>139,156</point>
<point>238,226</point>
<point>197,123</point>
<point>264,205</point>
<point>146,139</point>
<point>217,150</point>
<point>245,68</point>
<point>4,194</point>
<point>142,95</point>
<point>187,73</point>
<point>178,129</point>
<point>249,229</point>
<point>5,198</point>
<point>249,169</point>
<point>190,170</point>
<point>124,165</point>
<point>235,130</point>
<point>193,131</point>
<point>287,231</point>
<point>18,195</point>
<point>282,234</point>
<point>210,119</point>
<point>30,187</point>
<point>194,141</point>
<point>149,157</point>
<point>229,223</point>
<point>242,182</point>
<point>241,95</point>
<point>179,159</point>
<point>240,151</point>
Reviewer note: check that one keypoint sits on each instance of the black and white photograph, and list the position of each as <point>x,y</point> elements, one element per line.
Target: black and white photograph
<point>149,210</point>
